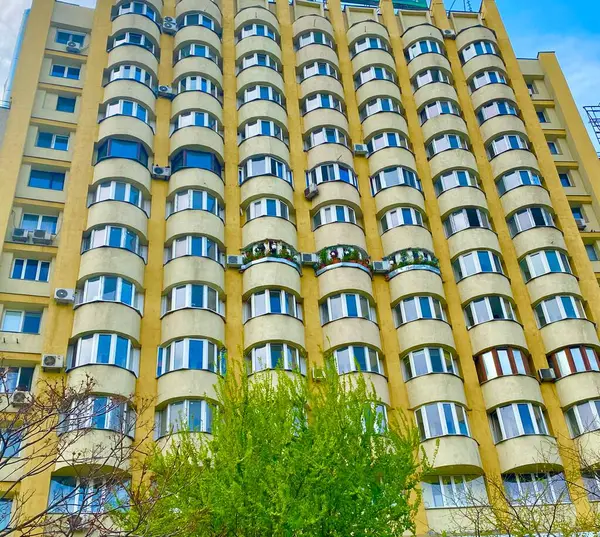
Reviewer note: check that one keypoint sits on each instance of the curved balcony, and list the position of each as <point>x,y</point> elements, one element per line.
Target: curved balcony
<point>528,454</point>
<point>403,237</point>
<point>552,283</point>
<point>329,152</point>
<point>525,196</point>
<point>315,52</point>
<point>139,23</point>
<point>109,379</point>
<point>197,137</point>
<point>205,6</point>
<point>262,109</point>
<point>435,387</point>
<point>492,92</point>
<point>343,279</point>
<point>192,65</point>
<point>452,159</point>
<point>263,145</point>
<point>118,212</point>
<point>472,34</point>
<point>196,178</point>
<point>259,186</point>
<point>195,222</point>
<point>325,117</point>
<point>421,31</point>
<point>132,54</point>
<point>116,168</point>
<point>480,63</point>
<point>334,191</point>
<point>270,251</point>
<point>473,239</point>
<point>428,61</point>
<point>577,388</point>
<point>389,157</point>
<point>265,227</point>
<point>265,328</point>
<point>364,28</point>
<point>117,125</point>
<point>459,197</point>
<point>257,43</point>
<point>192,322</point>
<point>265,275</point>
<point>132,90</point>
<point>370,57</point>
<point>376,384</point>
<point>409,279</point>
<point>424,332</point>
<point>186,383</point>
<point>193,269</point>
<point>434,91</point>
<point>94,445</point>
<point>255,14</point>
<point>588,448</point>
<point>112,261</point>
<point>375,88</point>
<point>505,390</point>
<point>320,84</point>
<point>383,121</point>
<point>311,22</point>
<point>191,34</point>
<point>107,317</point>
<point>498,125</point>
<point>394,196</point>
<point>496,333</point>
<point>343,256</point>
<point>196,100</point>
<point>568,332</point>
<point>489,283</point>
<point>343,332</point>
<point>453,454</point>
<point>536,238</point>
<point>444,123</point>
<point>338,232</point>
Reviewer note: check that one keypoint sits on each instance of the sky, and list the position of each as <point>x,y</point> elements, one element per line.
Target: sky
<point>571,28</point>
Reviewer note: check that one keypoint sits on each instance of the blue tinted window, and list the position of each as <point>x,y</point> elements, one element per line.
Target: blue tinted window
<point>126,292</point>
<point>360,358</point>
<point>569,307</point>
<point>65,104</point>
<point>484,260</point>
<point>526,419</point>
<point>553,262</point>
<point>47,180</point>
<point>17,268</point>
<point>44,140</point>
<point>195,357</point>
<point>122,351</point>
<point>110,288</point>
<point>31,322</point>
<point>103,348</point>
<point>351,306</point>
<point>30,269</point>
<point>44,269</point>
<point>425,308</point>
<point>449,419</point>
<point>62,495</point>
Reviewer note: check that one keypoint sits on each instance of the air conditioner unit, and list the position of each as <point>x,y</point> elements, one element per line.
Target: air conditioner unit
<point>41,236</point>
<point>53,362</point>
<point>235,261</point>
<point>311,191</point>
<point>169,26</point>
<point>64,296</point>
<point>20,235</point>
<point>318,374</point>
<point>73,47</point>
<point>166,91</point>
<point>309,259</point>
<point>360,150</point>
<point>381,267</point>
<point>547,375</point>
<point>161,172</point>
<point>20,398</point>
<point>581,223</point>
<point>450,34</point>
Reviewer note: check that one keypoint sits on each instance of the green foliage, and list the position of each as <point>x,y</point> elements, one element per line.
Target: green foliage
<point>285,460</point>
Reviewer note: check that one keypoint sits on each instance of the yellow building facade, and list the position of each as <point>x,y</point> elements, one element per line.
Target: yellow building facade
<point>276,179</point>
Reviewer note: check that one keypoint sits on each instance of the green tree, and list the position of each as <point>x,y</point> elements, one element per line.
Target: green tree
<point>285,460</point>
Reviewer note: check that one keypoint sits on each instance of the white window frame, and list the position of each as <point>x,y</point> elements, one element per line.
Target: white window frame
<point>516,178</point>
<point>443,143</point>
<point>382,140</point>
<point>77,360</point>
<point>106,191</point>
<point>93,292</point>
<point>251,30</point>
<point>255,128</point>
<point>508,312</point>
<point>363,312</point>
<point>146,10</point>
<point>315,102</point>
<point>502,144</point>
<point>497,416</point>
<point>83,415</point>
<point>166,354</point>
<point>320,136</point>
<point>541,490</point>
<point>463,263</point>
<point>100,237</point>
<point>251,60</point>
<point>328,214</point>
<point>53,140</point>
<point>422,78</point>
<point>197,80</point>
<point>416,49</point>
<point>523,220</point>
<point>258,208</point>
<point>395,218</point>
<point>188,119</point>
<point>184,244</point>
<point>578,425</point>
<point>462,491</point>
<point>175,424</point>
<point>528,262</point>
<point>315,176</point>
<point>124,38</point>
<point>253,93</point>
<point>309,38</point>
<point>455,179</point>
<point>183,200</point>
<point>202,19</point>
<point>186,290</point>
<point>370,42</point>
<point>254,366</point>
<point>250,305</point>
<point>440,406</point>
<point>312,69</point>
<point>437,108</point>
<point>369,73</point>
<point>375,106</point>
<point>118,73</point>
<point>447,359</point>
<point>543,316</point>
<point>246,170</point>
<point>435,306</point>
<point>198,50</point>
<point>485,78</point>
<point>379,181</point>
<point>22,314</point>
<point>40,218</point>
<point>369,353</point>
<point>470,51</point>
<point>494,109</point>
<point>451,223</point>
<point>39,263</point>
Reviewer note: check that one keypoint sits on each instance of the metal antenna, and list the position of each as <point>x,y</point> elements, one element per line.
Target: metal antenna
<point>593,113</point>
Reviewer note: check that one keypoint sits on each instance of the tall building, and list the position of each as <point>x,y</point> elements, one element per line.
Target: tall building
<point>278,178</point>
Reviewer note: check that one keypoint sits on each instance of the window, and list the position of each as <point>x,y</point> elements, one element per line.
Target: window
<point>559,308</point>
<point>486,77</point>
<point>506,142</point>
<point>46,180</point>
<point>124,107</point>
<point>577,359</point>
<point>517,178</point>
<point>24,322</point>
<point>199,83</point>
<point>272,301</point>
<point>531,88</point>
<point>197,119</point>
<point>74,495</point>
<point>331,172</point>
<point>423,47</point>
<point>119,191</point>
<point>501,362</point>
<point>395,176</point>
<point>357,358</point>
<point>190,353</point>
<point>496,108</point>
<point>127,149</point>
<point>51,140</point>
<point>373,73</point>
<point>195,245</point>
<point>10,446</point>
<point>204,160</point>
<point>583,417</point>
<point>544,262</point>
<point>262,127</point>
<point>314,38</point>
<point>114,237</point>
<point>104,349</point>
<point>453,491</point>
<point>536,489</point>
<point>321,100</point>
<point>454,179</point>
<point>16,378</point>
<point>194,415</point>
<point>319,68</point>
<point>577,213</point>
<point>334,213</point>
<point>259,59</point>
<point>267,207</point>
<point>260,30</point>
<point>444,143</point>
<point>401,216</point>
<point>381,104</point>
<point>565,179</point>
<point>427,361</point>
<point>134,38</point>
<point>592,253</point>
<point>110,289</point>
<point>132,72</point>
<point>517,419</point>
<point>197,19</point>
<point>31,222</point>
<point>489,308</point>
<point>476,262</point>
<point>325,135</point>
<point>368,43</point>
<point>430,76</point>
<point>386,139</point>
<point>66,104</point>
<point>554,148</point>
<point>541,115</point>
<point>197,200</point>
<point>99,412</point>
<point>274,356</point>
<point>138,8</point>
<point>441,419</point>
<point>64,36</point>
<point>193,296</point>
<point>471,217</point>
<point>418,307</point>
<point>477,49</point>
<point>347,305</point>
<point>264,165</point>
<point>32,270</point>
<point>529,218</point>
<point>261,93</point>
<point>198,50</point>
<point>65,71</point>
<point>438,108</point>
